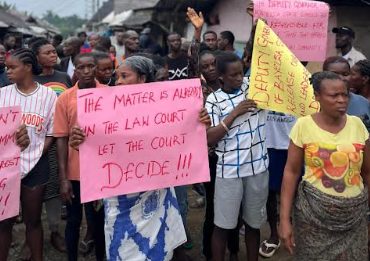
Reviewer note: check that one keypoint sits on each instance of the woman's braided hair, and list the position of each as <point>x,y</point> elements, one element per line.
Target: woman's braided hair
<point>27,56</point>
<point>363,67</point>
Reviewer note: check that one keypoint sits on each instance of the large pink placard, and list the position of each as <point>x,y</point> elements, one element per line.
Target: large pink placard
<point>301,25</point>
<point>10,169</point>
<point>141,137</point>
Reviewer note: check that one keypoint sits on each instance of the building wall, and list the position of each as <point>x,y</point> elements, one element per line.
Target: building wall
<point>357,18</point>
<point>233,17</point>
<point>354,17</point>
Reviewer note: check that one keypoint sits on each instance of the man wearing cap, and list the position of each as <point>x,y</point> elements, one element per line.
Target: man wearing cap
<point>343,41</point>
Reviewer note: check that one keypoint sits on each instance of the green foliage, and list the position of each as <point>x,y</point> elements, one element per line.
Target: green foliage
<point>5,6</point>
<point>67,25</point>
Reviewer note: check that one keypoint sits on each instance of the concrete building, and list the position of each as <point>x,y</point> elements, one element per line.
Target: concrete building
<point>165,16</point>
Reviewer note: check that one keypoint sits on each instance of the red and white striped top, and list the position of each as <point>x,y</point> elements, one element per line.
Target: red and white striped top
<point>38,110</point>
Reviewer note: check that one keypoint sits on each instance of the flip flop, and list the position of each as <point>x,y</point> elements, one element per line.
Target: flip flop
<point>86,247</point>
<point>268,246</point>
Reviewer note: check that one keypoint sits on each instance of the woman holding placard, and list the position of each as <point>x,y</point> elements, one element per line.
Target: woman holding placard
<point>146,225</point>
<point>38,106</point>
<point>332,201</point>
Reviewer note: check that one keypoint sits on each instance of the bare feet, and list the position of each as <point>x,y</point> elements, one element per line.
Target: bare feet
<point>58,242</point>
<point>25,253</point>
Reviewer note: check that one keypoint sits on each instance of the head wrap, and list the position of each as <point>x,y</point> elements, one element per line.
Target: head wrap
<point>142,65</point>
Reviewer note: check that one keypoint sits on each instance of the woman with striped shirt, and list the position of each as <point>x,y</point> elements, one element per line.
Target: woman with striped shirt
<point>38,106</point>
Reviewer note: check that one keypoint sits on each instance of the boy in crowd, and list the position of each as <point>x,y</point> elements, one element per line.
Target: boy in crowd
<point>238,133</point>
<point>211,83</point>
<point>104,69</point>
<point>68,159</point>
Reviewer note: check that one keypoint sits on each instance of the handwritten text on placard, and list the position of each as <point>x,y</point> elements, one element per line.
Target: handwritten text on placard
<point>301,25</point>
<point>10,170</point>
<point>141,137</point>
<point>278,81</point>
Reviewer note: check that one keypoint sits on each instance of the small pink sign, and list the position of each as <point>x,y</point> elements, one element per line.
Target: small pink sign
<point>10,170</point>
<point>301,25</point>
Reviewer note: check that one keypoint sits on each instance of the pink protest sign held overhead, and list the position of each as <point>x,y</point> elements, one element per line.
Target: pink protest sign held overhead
<point>10,170</point>
<point>140,138</point>
<point>301,25</point>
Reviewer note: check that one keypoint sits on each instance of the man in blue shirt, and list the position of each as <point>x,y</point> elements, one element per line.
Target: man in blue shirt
<point>357,105</point>
<point>225,42</point>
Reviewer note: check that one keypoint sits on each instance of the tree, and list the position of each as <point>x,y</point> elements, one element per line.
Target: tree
<point>6,7</point>
<point>67,25</point>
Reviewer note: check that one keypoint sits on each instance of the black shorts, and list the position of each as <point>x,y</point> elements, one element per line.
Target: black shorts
<point>39,175</point>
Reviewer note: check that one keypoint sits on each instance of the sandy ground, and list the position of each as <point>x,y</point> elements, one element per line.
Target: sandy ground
<point>195,219</point>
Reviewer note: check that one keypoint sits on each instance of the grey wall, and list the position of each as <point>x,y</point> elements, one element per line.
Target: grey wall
<point>358,18</point>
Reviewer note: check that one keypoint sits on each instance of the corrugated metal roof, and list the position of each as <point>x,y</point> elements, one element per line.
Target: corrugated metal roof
<point>138,18</point>
<point>120,18</point>
<point>12,20</point>
<point>124,5</point>
<point>184,4</point>
<point>103,12</point>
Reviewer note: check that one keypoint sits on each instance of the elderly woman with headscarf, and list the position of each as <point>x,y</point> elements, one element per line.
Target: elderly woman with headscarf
<point>146,225</point>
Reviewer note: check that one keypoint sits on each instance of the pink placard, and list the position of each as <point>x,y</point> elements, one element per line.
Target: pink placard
<point>10,170</point>
<point>301,25</point>
<point>141,137</point>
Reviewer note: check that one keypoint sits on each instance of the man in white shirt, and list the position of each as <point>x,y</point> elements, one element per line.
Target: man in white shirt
<point>344,41</point>
<point>120,47</point>
<point>71,49</point>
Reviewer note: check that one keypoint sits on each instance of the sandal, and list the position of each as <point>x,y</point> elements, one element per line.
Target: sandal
<point>86,247</point>
<point>268,249</point>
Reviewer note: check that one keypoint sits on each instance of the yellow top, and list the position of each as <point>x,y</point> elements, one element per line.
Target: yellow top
<point>332,161</point>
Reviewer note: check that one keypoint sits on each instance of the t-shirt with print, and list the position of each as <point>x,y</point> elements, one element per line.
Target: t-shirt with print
<point>332,161</point>
<point>38,110</point>
<point>242,151</point>
<point>278,127</point>
<point>58,81</point>
<point>65,119</point>
<point>178,68</point>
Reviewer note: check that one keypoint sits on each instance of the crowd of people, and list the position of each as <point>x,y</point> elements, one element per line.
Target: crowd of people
<point>317,165</point>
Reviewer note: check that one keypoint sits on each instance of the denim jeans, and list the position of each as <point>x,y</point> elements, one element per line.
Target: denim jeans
<point>182,200</point>
<point>74,218</point>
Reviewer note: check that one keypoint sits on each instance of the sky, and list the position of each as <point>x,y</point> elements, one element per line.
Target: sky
<point>61,7</point>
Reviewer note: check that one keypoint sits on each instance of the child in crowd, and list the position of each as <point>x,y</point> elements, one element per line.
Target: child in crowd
<point>238,133</point>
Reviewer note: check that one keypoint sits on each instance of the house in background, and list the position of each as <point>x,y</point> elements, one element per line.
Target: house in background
<point>101,19</point>
<point>354,14</point>
<point>165,16</point>
<point>24,26</point>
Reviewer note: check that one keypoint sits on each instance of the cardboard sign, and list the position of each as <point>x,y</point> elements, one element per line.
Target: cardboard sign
<point>278,81</point>
<point>141,137</point>
<point>10,169</point>
<point>301,25</point>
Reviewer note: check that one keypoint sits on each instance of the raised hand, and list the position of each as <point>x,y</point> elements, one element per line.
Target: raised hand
<point>195,19</point>
<point>250,8</point>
